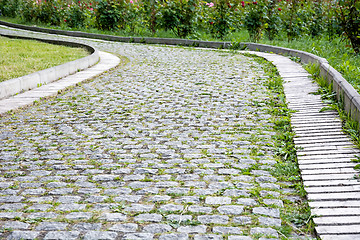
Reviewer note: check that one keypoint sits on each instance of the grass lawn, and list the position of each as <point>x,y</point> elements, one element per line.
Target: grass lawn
<point>22,57</point>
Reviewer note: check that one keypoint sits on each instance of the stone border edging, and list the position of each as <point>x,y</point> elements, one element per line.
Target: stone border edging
<point>16,85</point>
<point>345,92</point>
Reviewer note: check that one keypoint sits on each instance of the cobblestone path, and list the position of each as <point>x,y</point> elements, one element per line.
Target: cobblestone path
<point>174,145</point>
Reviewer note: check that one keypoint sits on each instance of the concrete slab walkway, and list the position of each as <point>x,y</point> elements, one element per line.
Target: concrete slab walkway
<point>324,156</point>
<point>164,148</point>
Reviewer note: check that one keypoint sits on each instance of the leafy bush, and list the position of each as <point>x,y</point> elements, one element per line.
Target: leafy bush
<point>179,16</point>
<point>9,7</point>
<point>292,19</point>
<point>348,15</point>
<point>317,19</point>
<point>254,19</point>
<point>221,17</point>
<point>48,12</point>
<point>27,10</point>
<point>272,19</point>
<point>149,12</point>
<point>75,14</point>
<point>133,15</point>
<point>108,14</point>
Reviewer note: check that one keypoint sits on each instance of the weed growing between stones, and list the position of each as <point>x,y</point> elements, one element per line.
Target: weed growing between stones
<point>350,126</point>
<point>295,215</point>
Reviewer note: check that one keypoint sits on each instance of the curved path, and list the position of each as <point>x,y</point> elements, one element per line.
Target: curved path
<point>175,145</point>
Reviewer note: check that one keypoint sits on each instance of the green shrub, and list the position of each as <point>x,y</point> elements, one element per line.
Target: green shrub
<point>48,12</point>
<point>254,19</point>
<point>108,14</point>
<point>348,15</point>
<point>27,10</point>
<point>179,16</point>
<point>272,19</point>
<point>75,15</point>
<point>9,8</point>
<point>222,17</point>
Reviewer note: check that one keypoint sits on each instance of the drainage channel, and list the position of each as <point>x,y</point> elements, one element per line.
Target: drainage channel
<point>324,155</point>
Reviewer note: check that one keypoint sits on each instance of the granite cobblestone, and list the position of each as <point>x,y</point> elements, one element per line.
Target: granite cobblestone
<point>158,149</point>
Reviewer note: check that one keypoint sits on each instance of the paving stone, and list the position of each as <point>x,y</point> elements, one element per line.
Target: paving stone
<point>51,226</point>
<point>243,220</point>
<point>61,191</point>
<point>192,229</point>
<point>230,209</point>
<point>264,193</point>
<point>227,230</point>
<point>208,237</point>
<point>16,225</point>
<point>62,235</point>
<point>11,199</point>
<point>171,208</point>
<point>174,236</point>
<point>246,201</point>
<point>40,199</point>
<point>96,199</point>
<point>199,209</point>
<point>148,217</point>
<point>23,235</point>
<point>83,226</point>
<point>157,228</point>
<point>117,191</point>
<point>270,221</point>
<point>45,215</point>
<point>218,200</point>
<point>264,231</point>
<point>128,198</point>
<point>40,207</point>
<point>12,206</point>
<point>178,191</point>
<point>79,216</point>
<point>239,238</point>
<point>98,235</point>
<point>272,212</point>
<point>114,217</point>
<point>70,207</point>
<point>159,198</point>
<point>276,202</point>
<point>236,193</point>
<point>188,199</point>
<point>217,219</point>
<point>179,218</point>
<point>124,227</point>
<point>139,208</point>
<point>136,236</point>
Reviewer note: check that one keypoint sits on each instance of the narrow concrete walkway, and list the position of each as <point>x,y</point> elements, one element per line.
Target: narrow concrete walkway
<point>324,156</point>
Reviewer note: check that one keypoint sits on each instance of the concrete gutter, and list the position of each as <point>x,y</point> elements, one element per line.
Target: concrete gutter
<point>345,92</point>
<point>17,85</point>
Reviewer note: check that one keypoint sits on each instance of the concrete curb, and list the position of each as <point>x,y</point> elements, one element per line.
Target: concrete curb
<point>345,92</point>
<point>107,62</point>
<point>17,85</point>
